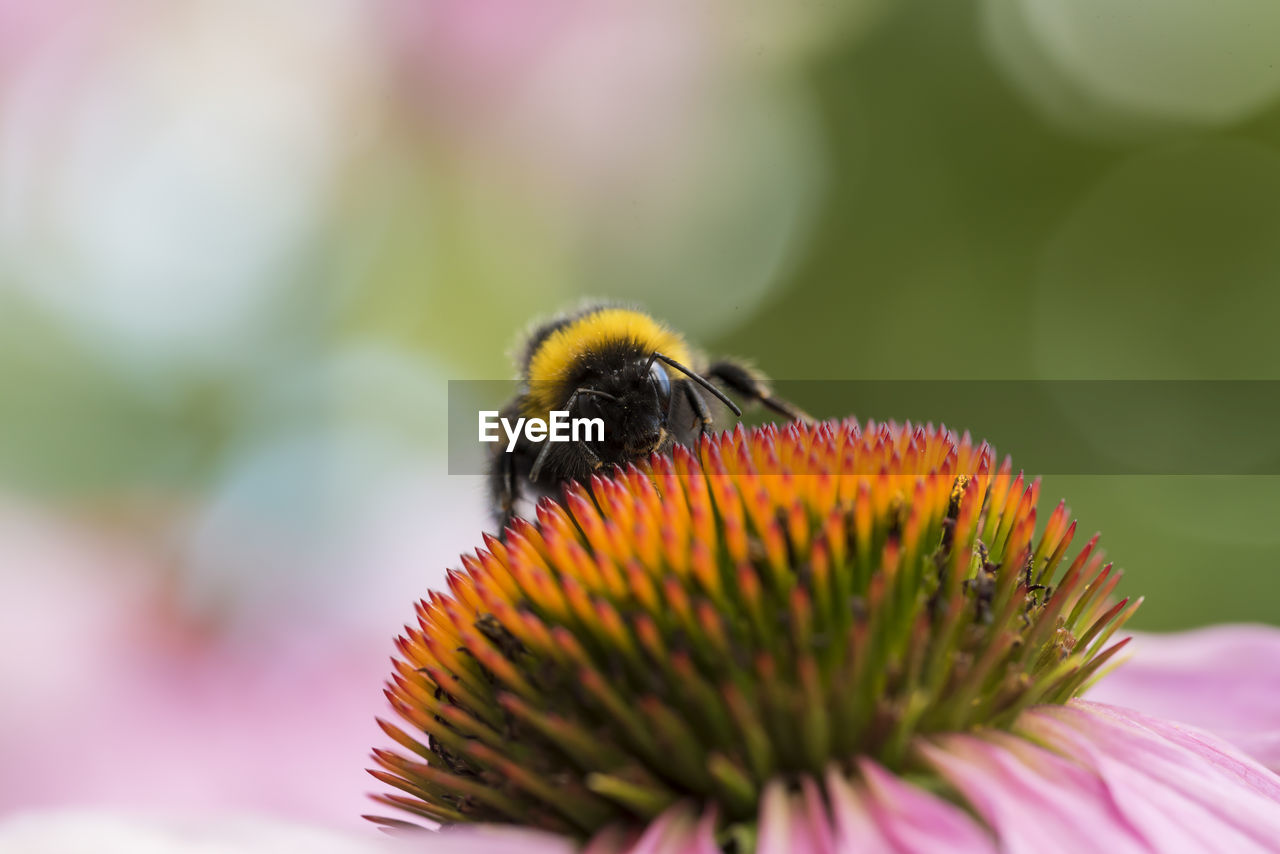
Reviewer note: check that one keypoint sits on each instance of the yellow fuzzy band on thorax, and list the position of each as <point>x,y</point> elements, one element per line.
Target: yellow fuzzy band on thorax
<point>551,363</point>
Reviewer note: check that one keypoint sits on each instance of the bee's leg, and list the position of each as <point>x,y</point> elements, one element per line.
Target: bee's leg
<point>539,461</point>
<point>705,421</point>
<point>592,460</point>
<point>504,490</point>
<point>748,384</point>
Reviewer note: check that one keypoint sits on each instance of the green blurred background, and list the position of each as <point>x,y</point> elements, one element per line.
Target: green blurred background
<point>244,248</point>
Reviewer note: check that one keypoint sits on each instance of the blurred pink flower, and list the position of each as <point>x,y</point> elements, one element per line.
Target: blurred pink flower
<point>586,100</point>
<point>135,134</point>
<point>479,52</point>
<point>72,831</point>
<point>114,700</point>
<point>121,692</point>
<point>27,28</point>
<point>646,150</point>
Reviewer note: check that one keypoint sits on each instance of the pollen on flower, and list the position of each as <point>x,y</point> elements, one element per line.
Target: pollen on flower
<point>790,598</point>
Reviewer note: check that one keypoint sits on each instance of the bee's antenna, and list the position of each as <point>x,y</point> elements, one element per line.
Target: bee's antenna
<point>699,380</point>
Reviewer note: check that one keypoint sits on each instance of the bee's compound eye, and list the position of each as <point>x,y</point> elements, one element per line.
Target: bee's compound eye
<point>661,382</point>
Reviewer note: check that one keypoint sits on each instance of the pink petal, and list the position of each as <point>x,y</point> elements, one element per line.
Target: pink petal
<point>679,830</point>
<point>854,827</point>
<point>611,840</point>
<point>103,831</point>
<point>902,817</point>
<point>489,839</point>
<point>1034,799</point>
<point>1225,679</point>
<point>794,822</point>
<point>1178,788</point>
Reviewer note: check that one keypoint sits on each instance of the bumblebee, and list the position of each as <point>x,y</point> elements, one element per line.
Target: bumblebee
<point>634,374</point>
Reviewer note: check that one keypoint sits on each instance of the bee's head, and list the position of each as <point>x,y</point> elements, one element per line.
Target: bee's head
<point>633,399</point>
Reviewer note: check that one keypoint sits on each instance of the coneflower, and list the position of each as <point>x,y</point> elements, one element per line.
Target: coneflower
<point>826,638</point>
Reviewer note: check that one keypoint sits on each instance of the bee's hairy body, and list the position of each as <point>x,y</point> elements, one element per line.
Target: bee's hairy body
<point>641,378</point>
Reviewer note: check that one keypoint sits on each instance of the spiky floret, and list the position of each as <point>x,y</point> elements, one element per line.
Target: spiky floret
<point>552,361</point>
<point>799,596</point>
